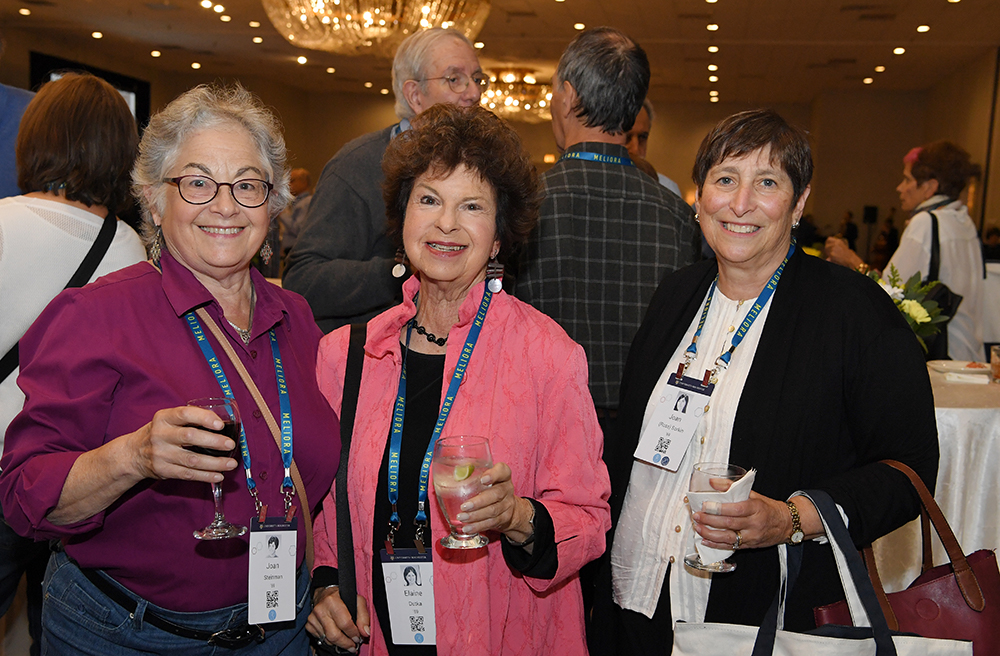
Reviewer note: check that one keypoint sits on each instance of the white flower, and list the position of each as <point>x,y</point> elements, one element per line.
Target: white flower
<point>915,310</point>
<point>895,292</point>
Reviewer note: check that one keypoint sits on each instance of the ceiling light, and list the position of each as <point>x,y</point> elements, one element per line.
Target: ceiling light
<point>713,48</point>
<point>516,95</point>
<point>868,80</point>
<point>713,67</point>
<point>384,92</point>
<point>258,39</point>
<point>579,26</point>
<point>711,2</point>
<point>898,51</point>
<point>368,85</point>
<point>713,93</point>
<point>195,65</point>
<point>713,78</point>
<point>331,69</point>
<point>479,45</point>
<point>97,35</point>
<point>155,53</point>
<point>713,99</point>
<point>24,11</point>
<point>712,27</point>
<point>225,19</point>
<point>300,59</point>
<point>923,28</point>
<point>207,4</point>
<point>954,1</point>
<point>254,23</point>
<point>218,9</point>
<point>880,69</point>
<point>549,158</point>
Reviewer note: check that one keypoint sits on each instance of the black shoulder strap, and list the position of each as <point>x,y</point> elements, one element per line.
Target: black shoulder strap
<point>80,277</point>
<point>932,274</point>
<point>345,540</point>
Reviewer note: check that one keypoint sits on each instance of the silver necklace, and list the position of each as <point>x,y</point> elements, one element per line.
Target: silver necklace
<point>245,334</point>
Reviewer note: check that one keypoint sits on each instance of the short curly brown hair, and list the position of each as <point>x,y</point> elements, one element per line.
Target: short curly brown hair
<point>444,137</point>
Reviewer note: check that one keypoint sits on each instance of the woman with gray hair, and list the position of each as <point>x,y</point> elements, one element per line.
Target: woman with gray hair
<point>107,455</point>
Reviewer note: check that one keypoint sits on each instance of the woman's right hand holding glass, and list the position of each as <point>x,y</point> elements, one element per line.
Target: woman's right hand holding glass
<point>158,447</point>
<point>330,621</point>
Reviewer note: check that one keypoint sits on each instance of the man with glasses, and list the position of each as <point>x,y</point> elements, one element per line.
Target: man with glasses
<point>343,261</point>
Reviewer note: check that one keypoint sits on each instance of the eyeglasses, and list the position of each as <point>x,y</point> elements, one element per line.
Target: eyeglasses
<point>201,189</point>
<point>459,82</point>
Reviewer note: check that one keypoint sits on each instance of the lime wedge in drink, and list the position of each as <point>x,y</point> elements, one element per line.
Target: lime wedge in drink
<point>462,472</point>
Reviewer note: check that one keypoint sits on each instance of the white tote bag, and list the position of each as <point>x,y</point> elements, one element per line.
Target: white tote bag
<point>871,638</point>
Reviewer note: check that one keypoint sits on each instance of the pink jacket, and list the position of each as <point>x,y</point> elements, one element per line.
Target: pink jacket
<point>526,389</point>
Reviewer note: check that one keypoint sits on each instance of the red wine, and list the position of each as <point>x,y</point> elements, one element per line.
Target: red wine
<point>228,429</point>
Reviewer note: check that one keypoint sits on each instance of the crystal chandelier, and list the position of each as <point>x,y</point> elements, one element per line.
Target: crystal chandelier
<point>376,27</point>
<point>515,95</point>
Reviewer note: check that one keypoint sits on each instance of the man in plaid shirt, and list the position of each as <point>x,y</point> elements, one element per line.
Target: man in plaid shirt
<point>607,233</point>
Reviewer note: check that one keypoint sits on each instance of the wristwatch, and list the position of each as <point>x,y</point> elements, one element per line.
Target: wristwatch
<point>797,534</point>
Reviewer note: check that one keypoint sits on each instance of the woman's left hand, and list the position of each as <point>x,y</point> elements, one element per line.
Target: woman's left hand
<point>761,522</point>
<point>497,508</point>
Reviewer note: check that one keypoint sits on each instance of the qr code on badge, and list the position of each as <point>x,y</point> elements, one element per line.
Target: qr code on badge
<point>272,598</point>
<point>662,444</point>
<point>417,623</point>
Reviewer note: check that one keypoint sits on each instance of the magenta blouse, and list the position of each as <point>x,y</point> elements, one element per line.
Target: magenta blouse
<point>97,364</point>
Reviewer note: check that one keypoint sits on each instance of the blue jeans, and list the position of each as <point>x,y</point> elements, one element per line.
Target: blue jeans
<point>77,618</point>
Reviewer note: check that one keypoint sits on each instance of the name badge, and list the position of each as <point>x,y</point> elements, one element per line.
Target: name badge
<point>678,412</point>
<point>271,594</point>
<point>409,591</point>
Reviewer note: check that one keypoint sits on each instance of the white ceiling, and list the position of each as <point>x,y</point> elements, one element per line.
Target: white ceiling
<point>771,51</point>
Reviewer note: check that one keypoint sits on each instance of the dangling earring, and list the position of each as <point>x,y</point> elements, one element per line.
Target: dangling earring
<point>795,225</point>
<point>155,245</point>
<point>399,269</point>
<point>494,274</point>
<point>266,252</point>
<point>696,220</point>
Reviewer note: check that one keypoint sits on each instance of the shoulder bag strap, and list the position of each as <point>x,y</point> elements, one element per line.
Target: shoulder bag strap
<point>300,487</point>
<point>79,278</point>
<point>932,274</point>
<point>348,410</point>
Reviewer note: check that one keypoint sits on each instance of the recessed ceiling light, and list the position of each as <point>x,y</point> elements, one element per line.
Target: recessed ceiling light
<point>331,69</point>
<point>368,85</point>
<point>713,99</point>
<point>954,1</point>
<point>225,19</point>
<point>254,23</point>
<point>713,48</point>
<point>24,11</point>
<point>479,45</point>
<point>384,92</point>
<point>301,59</point>
<point>712,27</point>
<point>713,93</point>
<point>898,51</point>
<point>868,80</point>
<point>97,35</point>
<point>713,67</point>
<point>560,0</point>
<point>218,9</point>
<point>880,69</point>
<point>195,65</point>
<point>549,158</point>
<point>258,39</point>
<point>711,2</point>
<point>155,53</point>
<point>579,26</point>
<point>713,78</point>
<point>207,4</point>
<point>923,28</point>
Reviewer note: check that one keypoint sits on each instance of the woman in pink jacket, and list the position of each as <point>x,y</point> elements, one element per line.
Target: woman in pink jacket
<point>461,193</point>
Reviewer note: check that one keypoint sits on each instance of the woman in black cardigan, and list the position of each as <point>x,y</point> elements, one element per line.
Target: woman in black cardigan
<point>827,381</point>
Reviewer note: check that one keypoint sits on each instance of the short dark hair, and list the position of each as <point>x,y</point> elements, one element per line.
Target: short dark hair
<point>78,136</point>
<point>610,74</point>
<point>945,162</point>
<point>274,539</point>
<point>749,131</point>
<point>444,137</point>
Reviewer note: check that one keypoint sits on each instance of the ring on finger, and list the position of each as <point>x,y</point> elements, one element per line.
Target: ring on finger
<point>739,541</point>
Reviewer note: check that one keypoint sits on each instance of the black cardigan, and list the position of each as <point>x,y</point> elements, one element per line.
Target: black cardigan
<point>838,383</point>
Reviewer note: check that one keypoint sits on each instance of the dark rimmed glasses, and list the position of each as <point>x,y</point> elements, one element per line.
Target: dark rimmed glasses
<point>459,82</point>
<point>201,189</point>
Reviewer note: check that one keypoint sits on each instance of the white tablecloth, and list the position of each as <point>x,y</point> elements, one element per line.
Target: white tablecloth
<point>968,482</point>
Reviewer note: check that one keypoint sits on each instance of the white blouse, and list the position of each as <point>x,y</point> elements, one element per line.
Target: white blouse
<point>655,528</point>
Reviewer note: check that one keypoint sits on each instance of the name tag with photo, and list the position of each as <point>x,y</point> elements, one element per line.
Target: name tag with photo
<point>678,412</point>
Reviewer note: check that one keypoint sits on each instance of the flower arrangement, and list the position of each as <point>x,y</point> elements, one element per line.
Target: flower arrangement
<point>924,316</point>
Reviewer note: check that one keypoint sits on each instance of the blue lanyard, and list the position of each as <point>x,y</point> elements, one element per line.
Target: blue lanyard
<point>762,299</point>
<point>597,157</point>
<point>283,401</point>
<point>396,440</point>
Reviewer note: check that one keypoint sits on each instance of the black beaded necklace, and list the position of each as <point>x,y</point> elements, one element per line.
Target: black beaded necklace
<point>431,337</point>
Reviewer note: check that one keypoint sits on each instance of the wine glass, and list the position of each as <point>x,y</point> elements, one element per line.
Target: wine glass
<point>229,412</point>
<point>709,480</point>
<point>458,463</point>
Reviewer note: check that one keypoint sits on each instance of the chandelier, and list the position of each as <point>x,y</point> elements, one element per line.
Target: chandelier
<point>376,27</point>
<point>515,95</point>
